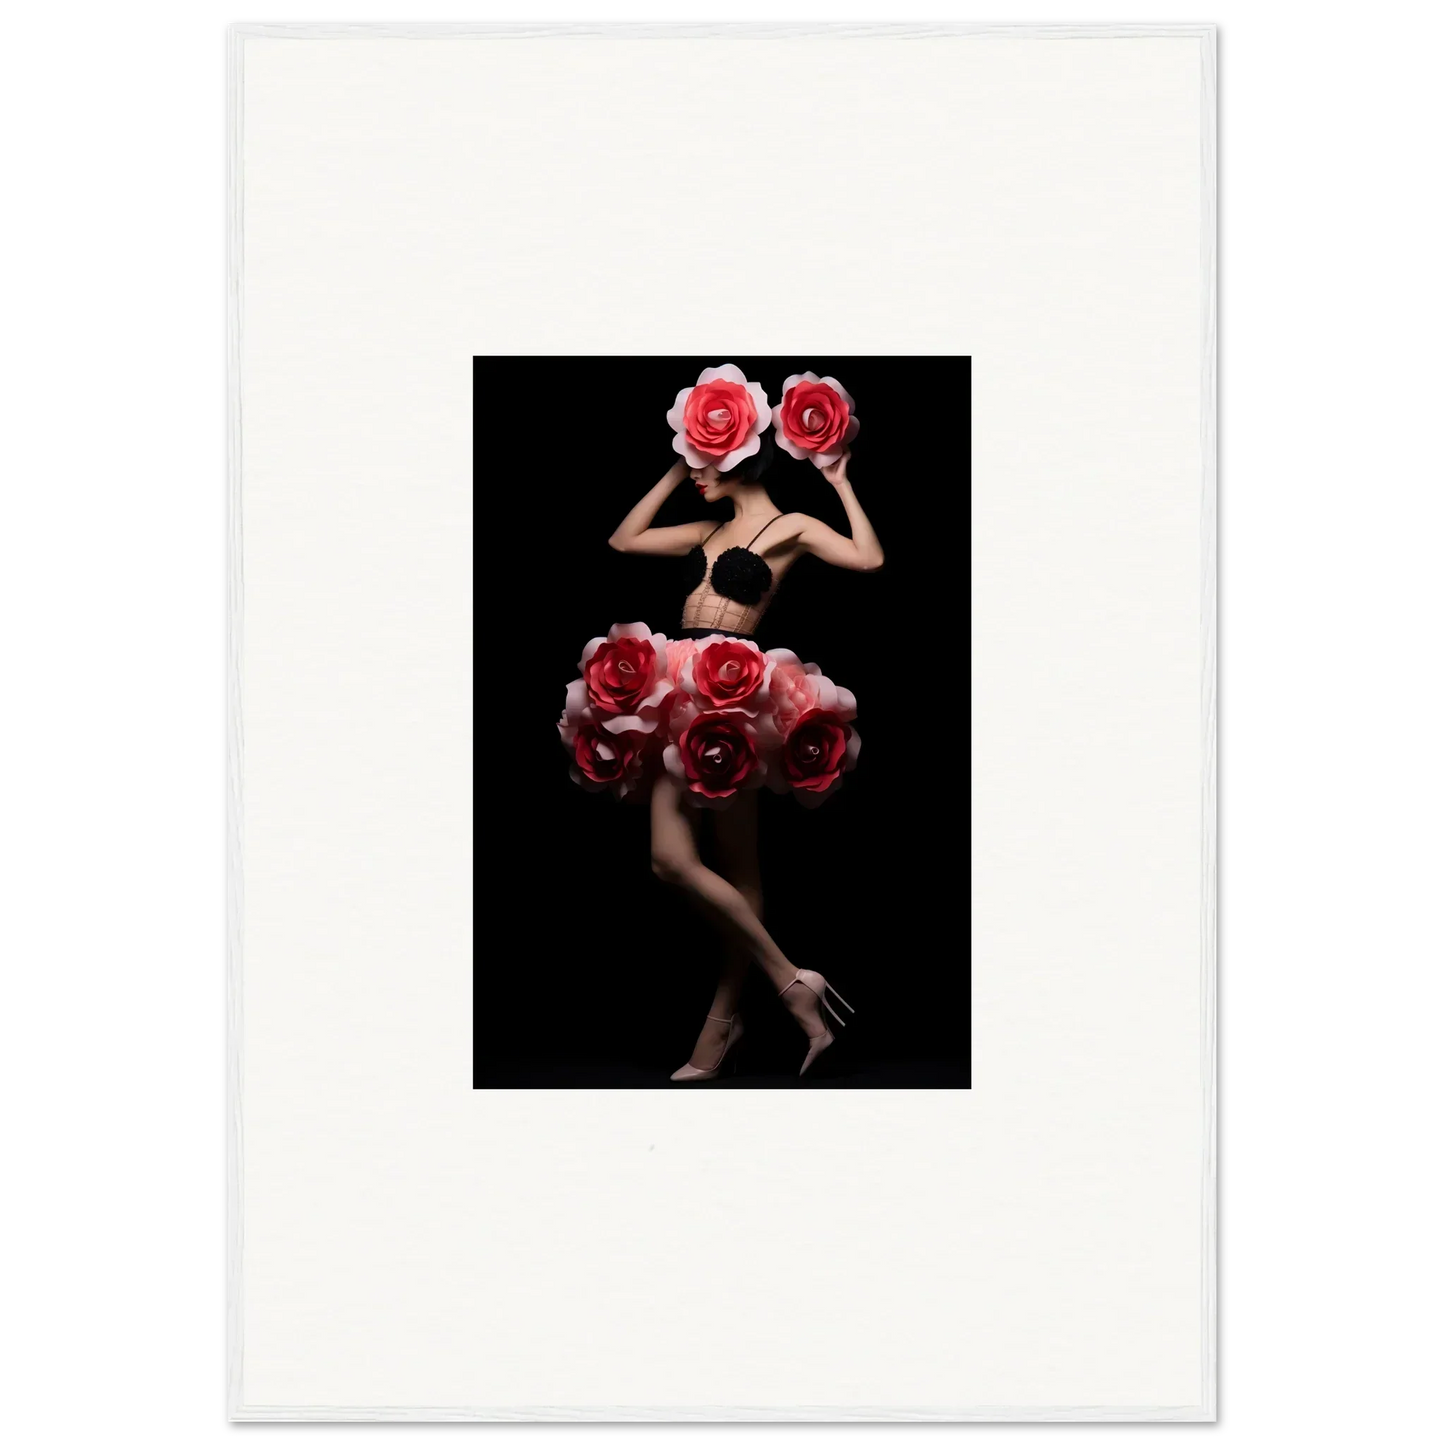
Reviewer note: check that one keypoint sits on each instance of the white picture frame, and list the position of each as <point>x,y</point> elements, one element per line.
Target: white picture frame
<point>1039,1253</point>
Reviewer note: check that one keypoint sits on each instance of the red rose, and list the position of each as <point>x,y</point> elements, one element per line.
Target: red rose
<point>720,421</point>
<point>727,672</point>
<point>815,753</point>
<point>606,759</point>
<point>622,674</point>
<point>814,419</point>
<point>715,753</point>
<point>718,417</point>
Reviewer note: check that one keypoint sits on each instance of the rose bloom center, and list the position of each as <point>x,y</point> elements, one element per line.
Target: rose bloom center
<point>729,671</point>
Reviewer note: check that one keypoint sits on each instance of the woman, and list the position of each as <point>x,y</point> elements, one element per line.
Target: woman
<point>736,567</point>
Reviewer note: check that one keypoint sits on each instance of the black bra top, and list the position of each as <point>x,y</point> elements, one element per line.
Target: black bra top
<point>738,573</point>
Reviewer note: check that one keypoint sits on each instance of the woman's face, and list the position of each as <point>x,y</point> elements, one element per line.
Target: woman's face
<point>710,486</point>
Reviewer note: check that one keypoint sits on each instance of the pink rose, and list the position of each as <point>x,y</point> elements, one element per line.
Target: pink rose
<point>624,679</point>
<point>814,419</point>
<point>720,421</point>
<point>811,742</point>
<point>715,753</point>
<point>728,672</point>
<point>679,651</point>
<point>796,687</point>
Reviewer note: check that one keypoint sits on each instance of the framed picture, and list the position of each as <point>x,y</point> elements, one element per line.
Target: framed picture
<point>753,573</point>
<point>722,753</point>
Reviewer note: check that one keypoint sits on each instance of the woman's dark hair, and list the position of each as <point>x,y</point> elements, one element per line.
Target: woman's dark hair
<point>754,466</point>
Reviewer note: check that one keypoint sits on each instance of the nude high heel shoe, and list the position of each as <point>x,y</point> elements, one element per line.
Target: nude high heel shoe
<point>687,1074</point>
<point>814,982</point>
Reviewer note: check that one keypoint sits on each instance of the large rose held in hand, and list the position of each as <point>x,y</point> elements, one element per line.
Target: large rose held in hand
<point>720,421</point>
<point>814,420</point>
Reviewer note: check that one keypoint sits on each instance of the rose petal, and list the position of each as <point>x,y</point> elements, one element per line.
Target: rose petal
<point>797,453</point>
<point>674,415</point>
<point>726,372</point>
<point>576,697</point>
<point>705,800</point>
<point>630,724</point>
<point>764,412</point>
<point>814,800</point>
<point>691,456</point>
<point>749,448</point>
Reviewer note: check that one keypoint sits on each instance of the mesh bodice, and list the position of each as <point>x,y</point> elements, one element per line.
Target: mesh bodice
<point>732,590</point>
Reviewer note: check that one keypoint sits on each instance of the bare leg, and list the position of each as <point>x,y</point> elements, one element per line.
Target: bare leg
<point>736,833</point>
<point>736,829</point>
<point>675,860</point>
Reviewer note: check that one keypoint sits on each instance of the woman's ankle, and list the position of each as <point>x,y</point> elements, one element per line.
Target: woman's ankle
<point>806,1009</point>
<point>779,971</point>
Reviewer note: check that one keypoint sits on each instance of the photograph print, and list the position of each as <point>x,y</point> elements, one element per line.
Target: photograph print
<point>728,814</point>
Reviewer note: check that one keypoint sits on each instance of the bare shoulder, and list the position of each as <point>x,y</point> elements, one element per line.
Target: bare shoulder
<point>795,526</point>
<point>685,535</point>
<point>785,530</point>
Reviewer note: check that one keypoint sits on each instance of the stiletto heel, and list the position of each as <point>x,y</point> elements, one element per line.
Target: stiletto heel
<point>816,984</point>
<point>688,1074</point>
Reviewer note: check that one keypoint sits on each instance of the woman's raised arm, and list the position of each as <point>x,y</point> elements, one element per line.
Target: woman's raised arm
<point>859,553</point>
<point>637,534</point>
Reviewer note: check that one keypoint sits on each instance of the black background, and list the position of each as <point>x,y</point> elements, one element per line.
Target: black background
<point>589,971</point>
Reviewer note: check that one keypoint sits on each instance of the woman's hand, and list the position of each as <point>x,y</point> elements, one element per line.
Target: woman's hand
<point>837,472</point>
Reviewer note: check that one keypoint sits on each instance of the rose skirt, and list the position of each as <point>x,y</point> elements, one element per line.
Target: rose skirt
<point>717,713</point>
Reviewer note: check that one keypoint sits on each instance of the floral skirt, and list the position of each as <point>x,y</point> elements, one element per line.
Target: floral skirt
<point>713,710</point>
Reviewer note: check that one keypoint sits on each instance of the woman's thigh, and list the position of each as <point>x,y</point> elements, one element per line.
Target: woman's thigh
<point>736,837</point>
<point>674,836</point>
